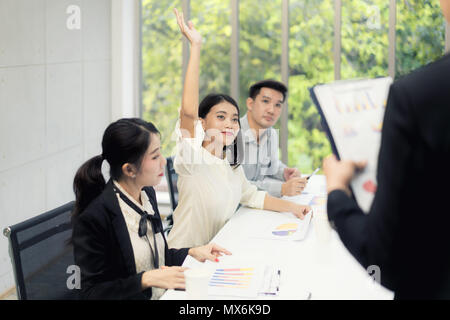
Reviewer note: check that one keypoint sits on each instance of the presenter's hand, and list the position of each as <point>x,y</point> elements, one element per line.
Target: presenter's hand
<point>340,173</point>
<point>210,252</point>
<point>293,187</point>
<point>164,277</point>
<point>188,29</point>
<point>290,173</point>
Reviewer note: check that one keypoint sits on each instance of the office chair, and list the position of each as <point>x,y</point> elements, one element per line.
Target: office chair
<point>41,257</point>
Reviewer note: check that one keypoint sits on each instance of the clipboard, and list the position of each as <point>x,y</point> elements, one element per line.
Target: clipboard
<point>323,121</point>
<point>356,111</point>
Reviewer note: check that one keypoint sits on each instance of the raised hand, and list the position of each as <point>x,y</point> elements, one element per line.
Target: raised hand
<point>188,29</point>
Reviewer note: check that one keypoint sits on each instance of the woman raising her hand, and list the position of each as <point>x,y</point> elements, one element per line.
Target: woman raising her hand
<point>211,182</point>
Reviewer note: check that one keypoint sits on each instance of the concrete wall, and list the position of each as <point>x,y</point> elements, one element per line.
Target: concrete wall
<point>55,97</point>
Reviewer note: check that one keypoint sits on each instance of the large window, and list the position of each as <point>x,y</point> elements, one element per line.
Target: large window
<point>212,19</point>
<point>161,68</point>
<point>365,46</point>
<point>365,27</point>
<point>310,62</point>
<point>420,32</point>
<point>259,44</point>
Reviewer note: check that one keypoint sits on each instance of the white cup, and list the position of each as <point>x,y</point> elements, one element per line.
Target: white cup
<point>321,225</point>
<point>197,280</point>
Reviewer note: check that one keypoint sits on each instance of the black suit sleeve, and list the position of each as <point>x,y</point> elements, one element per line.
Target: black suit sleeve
<point>99,280</point>
<point>370,237</point>
<point>175,257</point>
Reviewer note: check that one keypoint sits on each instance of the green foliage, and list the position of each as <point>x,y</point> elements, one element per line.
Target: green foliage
<point>365,23</point>
<point>162,69</point>
<point>365,27</point>
<point>420,34</point>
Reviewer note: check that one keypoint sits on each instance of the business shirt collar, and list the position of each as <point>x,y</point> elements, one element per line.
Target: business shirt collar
<point>248,134</point>
<point>146,205</point>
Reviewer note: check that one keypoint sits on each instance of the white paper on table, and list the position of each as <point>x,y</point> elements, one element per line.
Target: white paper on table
<point>282,228</point>
<point>271,281</point>
<point>304,198</point>
<point>316,185</point>
<point>354,112</point>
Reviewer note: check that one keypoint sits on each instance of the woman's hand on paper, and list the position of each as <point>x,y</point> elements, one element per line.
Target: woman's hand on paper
<point>340,173</point>
<point>164,277</point>
<point>210,252</point>
<point>300,211</point>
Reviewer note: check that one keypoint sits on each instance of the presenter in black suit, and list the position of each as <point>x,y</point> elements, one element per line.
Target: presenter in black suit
<point>117,231</point>
<point>407,231</point>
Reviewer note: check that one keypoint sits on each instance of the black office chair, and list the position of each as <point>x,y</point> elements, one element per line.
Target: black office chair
<point>172,178</point>
<point>41,257</point>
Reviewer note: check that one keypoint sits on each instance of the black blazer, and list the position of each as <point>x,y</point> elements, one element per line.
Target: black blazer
<point>407,231</point>
<point>103,250</point>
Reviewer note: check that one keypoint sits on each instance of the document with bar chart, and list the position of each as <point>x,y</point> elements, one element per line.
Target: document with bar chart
<point>242,281</point>
<point>352,114</point>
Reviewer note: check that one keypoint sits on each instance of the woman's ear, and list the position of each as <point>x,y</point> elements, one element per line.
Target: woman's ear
<point>129,171</point>
<point>203,122</point>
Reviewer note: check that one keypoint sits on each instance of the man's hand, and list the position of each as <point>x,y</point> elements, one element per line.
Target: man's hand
<point>293,187</point>
<point>290,173</point>
<point>340,173</point>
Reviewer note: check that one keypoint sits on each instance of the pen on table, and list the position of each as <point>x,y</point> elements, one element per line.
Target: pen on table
<point>279,280</point>
<point>314,172</point>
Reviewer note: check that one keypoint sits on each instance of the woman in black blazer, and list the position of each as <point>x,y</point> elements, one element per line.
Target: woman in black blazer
<point>117,231</point>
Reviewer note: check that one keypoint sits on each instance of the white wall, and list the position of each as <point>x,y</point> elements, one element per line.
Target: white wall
<point>55,102</point>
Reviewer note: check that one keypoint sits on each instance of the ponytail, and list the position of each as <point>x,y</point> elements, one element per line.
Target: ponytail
<point>88,184</point>
<point>124,141</point>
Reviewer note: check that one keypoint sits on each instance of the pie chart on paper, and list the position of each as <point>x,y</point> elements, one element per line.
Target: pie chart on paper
<point>370,186</point>
<point>285,229</point>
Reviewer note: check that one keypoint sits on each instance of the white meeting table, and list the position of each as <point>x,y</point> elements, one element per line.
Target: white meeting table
<point>310,269</point>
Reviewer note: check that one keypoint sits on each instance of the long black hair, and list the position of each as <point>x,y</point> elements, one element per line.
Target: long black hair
<point>124,141</point>
<point>234,151</point>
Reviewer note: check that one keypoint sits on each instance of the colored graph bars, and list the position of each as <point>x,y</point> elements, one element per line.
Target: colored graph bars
<point>238,278</point>
<point>361,102</point>
<point>318,201</point>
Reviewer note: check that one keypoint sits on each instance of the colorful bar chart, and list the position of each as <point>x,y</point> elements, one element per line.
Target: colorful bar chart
<point>232,278</point>
<point>318,201</point>
<point>235,281</point>
<point>358,102</point>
